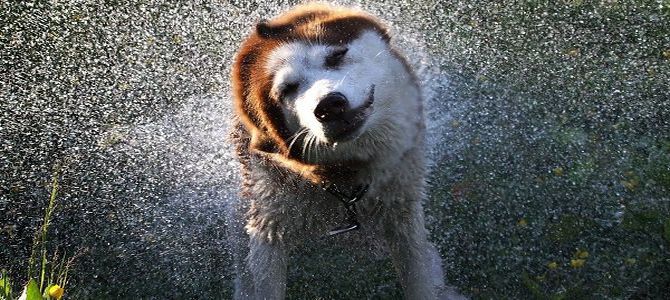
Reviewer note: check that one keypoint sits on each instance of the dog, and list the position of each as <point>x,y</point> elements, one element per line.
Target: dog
<point>329,131</point>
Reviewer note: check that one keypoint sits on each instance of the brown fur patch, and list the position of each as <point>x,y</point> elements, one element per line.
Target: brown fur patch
<point>261,114</point>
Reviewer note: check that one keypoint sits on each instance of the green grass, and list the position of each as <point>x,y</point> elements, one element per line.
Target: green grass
<point>47,274</point>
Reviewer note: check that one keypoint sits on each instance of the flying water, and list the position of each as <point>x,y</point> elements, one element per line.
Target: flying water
<point>547,129</point>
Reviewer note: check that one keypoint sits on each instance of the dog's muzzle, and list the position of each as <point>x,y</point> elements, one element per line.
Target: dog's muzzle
<point>341,122</point>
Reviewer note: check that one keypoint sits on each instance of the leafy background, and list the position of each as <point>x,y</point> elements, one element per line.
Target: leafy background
<point>549,128</point>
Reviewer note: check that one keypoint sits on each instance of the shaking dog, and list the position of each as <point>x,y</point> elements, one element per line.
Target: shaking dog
<point>330,134</point>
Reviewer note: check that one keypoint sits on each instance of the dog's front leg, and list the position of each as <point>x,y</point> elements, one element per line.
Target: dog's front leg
<point>239,248</point>
<point>267,263</point>
<point>414,257</point>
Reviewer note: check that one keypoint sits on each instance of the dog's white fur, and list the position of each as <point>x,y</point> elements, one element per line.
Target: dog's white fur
<point>282,209</point>
<point>369,61</point>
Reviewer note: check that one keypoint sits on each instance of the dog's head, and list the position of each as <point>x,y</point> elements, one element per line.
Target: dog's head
<point>317,76</point>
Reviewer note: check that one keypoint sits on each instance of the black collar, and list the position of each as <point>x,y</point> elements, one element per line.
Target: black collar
<point>349,201</point>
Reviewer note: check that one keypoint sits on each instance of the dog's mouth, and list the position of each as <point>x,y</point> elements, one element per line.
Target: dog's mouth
<point>349,126</point>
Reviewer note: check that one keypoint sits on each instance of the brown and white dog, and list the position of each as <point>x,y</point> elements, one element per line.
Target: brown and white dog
<point>324,101</point>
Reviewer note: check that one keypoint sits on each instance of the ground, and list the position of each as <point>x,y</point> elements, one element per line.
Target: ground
<point>548,129</point>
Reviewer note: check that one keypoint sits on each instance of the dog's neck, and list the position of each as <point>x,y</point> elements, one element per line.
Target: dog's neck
<point>343,172</point>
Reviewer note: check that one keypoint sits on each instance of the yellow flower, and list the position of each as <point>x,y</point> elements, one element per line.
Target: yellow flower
<point>573,52</point>
<point>651,71</point>
<point>55,291</point>
<point>582,254</point>
<point>631,184</point>
<point>577,263</point>
<point>558,171</point>
<point>552,265</point>
<point>522,222</point>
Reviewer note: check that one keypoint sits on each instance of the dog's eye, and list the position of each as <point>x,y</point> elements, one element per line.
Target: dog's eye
<point>288,90</point>
<point>334,59</point>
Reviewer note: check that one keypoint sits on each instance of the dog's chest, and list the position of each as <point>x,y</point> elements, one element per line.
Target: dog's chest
<point>300,210</point>
<point>329,207</point>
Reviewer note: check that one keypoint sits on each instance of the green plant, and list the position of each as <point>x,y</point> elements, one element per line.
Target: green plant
<point>53,275</point>
<point>5,286</point>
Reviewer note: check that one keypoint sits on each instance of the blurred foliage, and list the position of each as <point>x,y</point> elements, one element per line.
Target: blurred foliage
<point>568,130</point>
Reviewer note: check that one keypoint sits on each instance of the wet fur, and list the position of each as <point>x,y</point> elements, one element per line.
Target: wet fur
<point>282,203</point>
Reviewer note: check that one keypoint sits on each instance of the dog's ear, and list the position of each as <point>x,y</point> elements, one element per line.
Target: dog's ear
<point>268,31</point>
<point>263,28</point>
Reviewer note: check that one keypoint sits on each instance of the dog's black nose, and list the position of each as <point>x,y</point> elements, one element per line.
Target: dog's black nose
<point>332,107</point>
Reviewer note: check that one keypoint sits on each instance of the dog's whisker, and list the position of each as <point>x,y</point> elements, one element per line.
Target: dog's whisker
<point>309,150</point>
<point>317,143</point>
<point>343,78</point>
<point>305,148</point>
<point>297,132</point>
<point>295,137</point>
<point>309,147</point>
<point>304,145</point>
<point>380,52</point>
